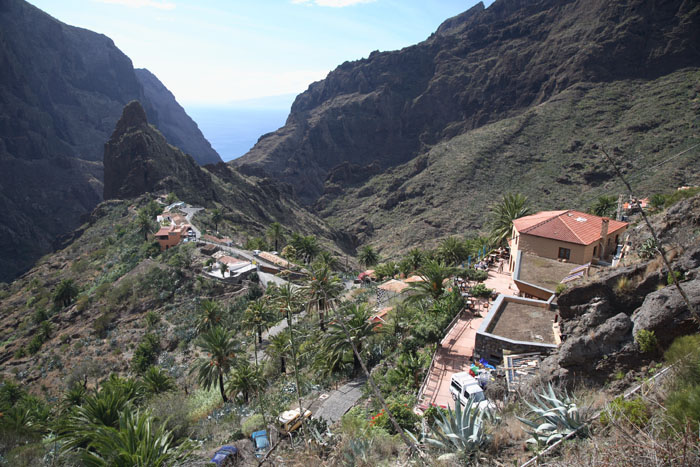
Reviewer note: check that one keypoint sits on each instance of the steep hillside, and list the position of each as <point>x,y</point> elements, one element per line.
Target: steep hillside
<point>551,153</point>
<point>62,90</point>
<point>479,67</point>
<point>118,275</point>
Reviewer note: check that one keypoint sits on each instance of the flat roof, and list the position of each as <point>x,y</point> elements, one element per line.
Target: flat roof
<point>520,321</point>
<point>543,272</point>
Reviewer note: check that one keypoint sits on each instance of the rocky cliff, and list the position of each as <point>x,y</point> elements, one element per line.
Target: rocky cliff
<point>478,67</point>
<point>171,119</point>
<point>62,90</point>
<point>138,160</point>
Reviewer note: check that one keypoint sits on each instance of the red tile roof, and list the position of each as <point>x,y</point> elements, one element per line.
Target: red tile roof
<point>568,226</point>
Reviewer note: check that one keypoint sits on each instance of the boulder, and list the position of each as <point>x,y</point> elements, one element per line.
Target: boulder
<point>666,314</point>
<point>583,350</point>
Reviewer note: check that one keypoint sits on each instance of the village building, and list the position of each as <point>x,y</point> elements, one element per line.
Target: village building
<point>170,235</point>
<point>567,236</point>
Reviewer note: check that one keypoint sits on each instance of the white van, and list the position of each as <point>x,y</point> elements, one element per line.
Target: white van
<point>464,388</point>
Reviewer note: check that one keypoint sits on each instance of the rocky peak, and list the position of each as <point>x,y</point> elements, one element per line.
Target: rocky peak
<point>138,159</point>
<point>133,117</point>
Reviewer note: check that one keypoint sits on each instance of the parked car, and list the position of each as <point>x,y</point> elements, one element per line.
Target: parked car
<point>262,444</point>
<point>256,252</point>
<point>225,456</point>
<point>290,420</point>
<point>465,388</point>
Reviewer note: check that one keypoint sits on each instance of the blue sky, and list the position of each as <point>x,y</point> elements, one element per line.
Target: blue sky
<point>213,52</point>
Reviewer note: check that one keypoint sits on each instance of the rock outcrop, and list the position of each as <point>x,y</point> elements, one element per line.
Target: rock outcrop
<point>62,89</point>
<point>480,66</point>
<point>138,159</point>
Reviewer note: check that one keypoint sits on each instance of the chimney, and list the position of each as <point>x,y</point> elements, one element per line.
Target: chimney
<point>604,229</point>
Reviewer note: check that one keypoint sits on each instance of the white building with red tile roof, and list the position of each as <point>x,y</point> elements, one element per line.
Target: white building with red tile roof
<point>571,236</point>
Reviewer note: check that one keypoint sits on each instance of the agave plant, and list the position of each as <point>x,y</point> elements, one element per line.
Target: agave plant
<point>556,416</point>
<point>461,430</point>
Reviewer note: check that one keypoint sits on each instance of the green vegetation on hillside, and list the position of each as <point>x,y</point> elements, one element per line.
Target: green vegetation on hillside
<point>549,153</point>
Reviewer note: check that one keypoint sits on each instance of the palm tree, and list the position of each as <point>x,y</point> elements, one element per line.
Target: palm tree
<point>65,292</point>
<point>144,222</point>
<point>210,315</point>
<point>361,329</point>
<point>326,257</point>
<point>275,233</point>
<point>453,251</point>
<point>157,381</point>
<point>511,207</point>
<point>244,379</point>
<point>221,348</point>
<point>258,315</point>
<point>307,247</point>
<point>388,269</point>
<point>322,288</point>
<point>368,257</point>
<point>135,441</point>
<point>216,217</point>
<point>604,206</point>
<point>415,259</point>
<point>433,274</point>
<point>280,347</point>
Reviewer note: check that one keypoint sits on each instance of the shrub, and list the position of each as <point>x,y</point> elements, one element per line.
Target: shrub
<point>102,324</point>
<point>623,285</point>
<point>677,274</point>
<point>146,353</point>
<point>253,423</point>
<point>683,406</point>
<point>684,353</point>
<point>39,316</point>
<point>648,249</point>
<point>633,411</point>
<point>152,318</point>
<point>20,353</point>
<point>432,413</point>
<point>35,344</point>
<point>480,290</point>
<point>403,414</point>
<point>646,340</point>
<point>560,288</point>
<point>172,413</point>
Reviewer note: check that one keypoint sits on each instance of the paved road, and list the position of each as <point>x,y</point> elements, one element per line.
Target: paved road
<point>339,401</point>
<point>189,213</point>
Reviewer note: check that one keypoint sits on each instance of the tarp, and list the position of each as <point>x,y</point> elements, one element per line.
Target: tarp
<point>414,279</point>
<point>393,285</point>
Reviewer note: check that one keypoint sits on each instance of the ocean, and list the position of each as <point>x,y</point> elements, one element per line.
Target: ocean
<point>233,130</point>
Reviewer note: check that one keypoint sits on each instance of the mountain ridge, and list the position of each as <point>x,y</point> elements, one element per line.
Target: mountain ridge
<point>62,89</point>
<point>480,66</point>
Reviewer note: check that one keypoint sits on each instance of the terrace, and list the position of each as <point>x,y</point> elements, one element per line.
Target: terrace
<point>518,325</point>
<point>538,277</point>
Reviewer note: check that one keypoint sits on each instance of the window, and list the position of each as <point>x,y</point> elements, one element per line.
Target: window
<point>595,249</point>
<point>564,253</point>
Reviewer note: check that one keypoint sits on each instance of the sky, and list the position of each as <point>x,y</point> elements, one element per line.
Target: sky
<point>215,53</point>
